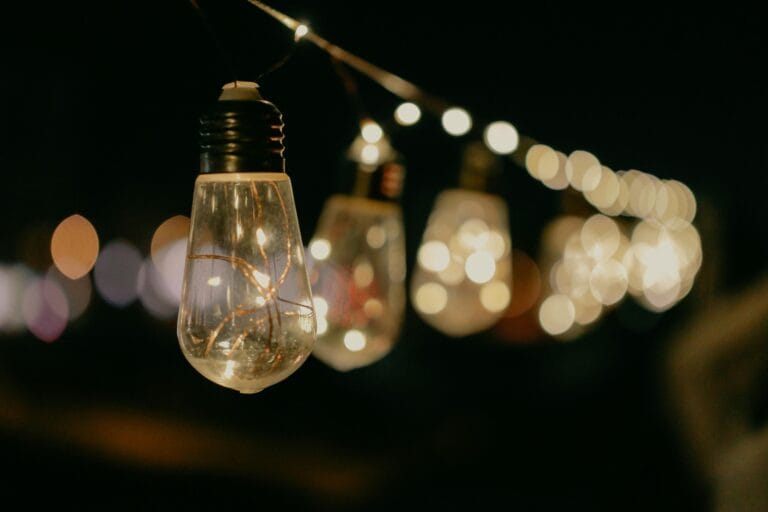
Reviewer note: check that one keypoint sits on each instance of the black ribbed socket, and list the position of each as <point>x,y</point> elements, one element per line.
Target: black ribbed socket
<point>242,136</point>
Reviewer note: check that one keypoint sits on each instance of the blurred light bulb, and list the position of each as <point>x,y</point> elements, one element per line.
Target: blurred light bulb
<point>371,132</point>
<point>456,121</point>
<point>246,319</point>
<point>370,154</point>
<point>407,114</point>
<point>74,246</point>
<point>301,31</point>
<point>461,284</point>
<point>501,137</point>
<point>358,283</point>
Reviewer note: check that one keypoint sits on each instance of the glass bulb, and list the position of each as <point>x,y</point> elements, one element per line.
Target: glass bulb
<point>246,319</point>
<point>357,273</point>
<point>463,276</point>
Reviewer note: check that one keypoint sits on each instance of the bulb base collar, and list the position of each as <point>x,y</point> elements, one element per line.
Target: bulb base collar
<point>242,136</point>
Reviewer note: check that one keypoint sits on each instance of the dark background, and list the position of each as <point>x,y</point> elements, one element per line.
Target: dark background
<point>98,110</point>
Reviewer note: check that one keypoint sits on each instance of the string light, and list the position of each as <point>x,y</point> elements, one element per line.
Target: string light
<point>358,268</point>
<point>501,137</point>
<point>461,284</point>
<point>246,319</point>
<point>655,260</point>
<point>407,114</point>
<point>456,121</point>
<point>74,246</point>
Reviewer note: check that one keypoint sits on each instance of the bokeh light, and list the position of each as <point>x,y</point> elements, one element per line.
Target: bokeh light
<point>116,273</point>
<point>74,246</point>
<point>169,232</point>
<point>431,298</point>
<point>583,170</point>
<point>320,249</point>
<point>556,314</point>
<point>607,191</point>
<point>13,281</point>
<point>77,291</point>
<point>501,137</point>
<point>371,132</point>
<point>407,114</point>
<point>44,309</point>
<point>456,121</point>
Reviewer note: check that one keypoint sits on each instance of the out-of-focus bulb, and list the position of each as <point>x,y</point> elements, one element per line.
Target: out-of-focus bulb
<point>371,132</point>
<point>462,281</point>
<point>501,137</point>
<point>358,280</point>
<point>456,121</point>
<point>246,319</point>
<point>407,114</point>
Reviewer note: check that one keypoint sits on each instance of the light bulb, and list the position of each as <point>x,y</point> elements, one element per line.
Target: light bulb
<point>246,319</point>
<point>360,284</point>
<point>462,281</point>
<point>357,271</point>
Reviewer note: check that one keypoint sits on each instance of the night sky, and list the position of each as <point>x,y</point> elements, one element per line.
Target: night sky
<point>98,116</point>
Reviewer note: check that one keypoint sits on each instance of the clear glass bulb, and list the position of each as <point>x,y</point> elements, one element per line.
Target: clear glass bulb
<point>246,319</point>
<point>463,275</point>
<point>357,273</point>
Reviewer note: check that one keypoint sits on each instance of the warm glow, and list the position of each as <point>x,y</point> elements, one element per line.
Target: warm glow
<point>600,237</point>
<point>587,309</point>
<point>301,31</point>
<point>261,278</point>
<point>606,192</point>
<point>170,231</point>
<point>453,274</point>
<point>501,137</point>
<point>321,306</point>
<point>407,114</point>
<point>229,370</point>
<point>548,165</point>
<point>496,245</point>
<point>261,238</point>
<point>363,274</point>
<point>583,170</point>
<point>495,296</point>
<point>532,157</point>
<point>74,246</point>
<point>376,236</point>
<point>608,282</point>
<point>434,256</point>
<point>373,308</point>
<point>480,267</point>
<point>526,284</point>
<point>642,195</point>
<point>322,325</point>
<point>556,314</point>
<point>431,298</point>
<point>169,263</point>
<point>214,281</point>
<point>354,340</point>
<point>456,121</point>
<point>320,249</point>
<point>370,154</point>
<point>371,132</point>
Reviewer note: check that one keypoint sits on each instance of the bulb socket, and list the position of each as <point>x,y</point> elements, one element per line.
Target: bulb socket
<point>239,135</point>
<point>383,182</point>
<point>480,169</point>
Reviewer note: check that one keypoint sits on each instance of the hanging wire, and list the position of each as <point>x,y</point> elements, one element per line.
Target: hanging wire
<point>350,87</point>
<point>224,55</point>
<point>278,64</point>
<point>389,81</point>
